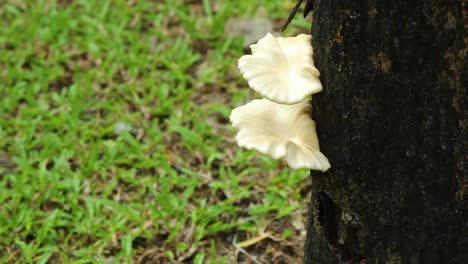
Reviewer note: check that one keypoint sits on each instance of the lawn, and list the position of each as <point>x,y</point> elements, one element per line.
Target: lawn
<point>115,142</point>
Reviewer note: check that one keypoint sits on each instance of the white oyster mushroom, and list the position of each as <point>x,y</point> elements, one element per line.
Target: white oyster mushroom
<point>280,131</point>
<point>282,69</point>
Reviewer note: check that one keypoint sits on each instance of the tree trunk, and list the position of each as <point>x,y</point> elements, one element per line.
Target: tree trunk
<point>392,119</point>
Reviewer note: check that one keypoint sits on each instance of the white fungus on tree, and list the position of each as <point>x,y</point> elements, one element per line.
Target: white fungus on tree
<point>282,69</point>
<point>280,131</point>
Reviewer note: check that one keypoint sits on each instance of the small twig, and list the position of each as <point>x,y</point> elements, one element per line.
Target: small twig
<point>192,250</point>
<point>146,254</point>
<point>292,14</point>
<point>254,259</point>
<point>308,7</point>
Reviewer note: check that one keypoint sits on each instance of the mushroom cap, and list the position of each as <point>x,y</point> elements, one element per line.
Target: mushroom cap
<point>280,131</point>
<point>282,69</point>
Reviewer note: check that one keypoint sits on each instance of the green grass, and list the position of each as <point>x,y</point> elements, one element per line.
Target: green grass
<point>115,116</point>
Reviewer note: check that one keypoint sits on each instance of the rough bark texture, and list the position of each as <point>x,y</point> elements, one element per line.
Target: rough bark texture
<point>392,119</point>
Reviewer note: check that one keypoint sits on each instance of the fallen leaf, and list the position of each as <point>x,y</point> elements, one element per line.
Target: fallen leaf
<point>254,240</point>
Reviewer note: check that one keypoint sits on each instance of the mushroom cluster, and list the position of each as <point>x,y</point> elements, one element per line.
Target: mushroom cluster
<point>281,70</point>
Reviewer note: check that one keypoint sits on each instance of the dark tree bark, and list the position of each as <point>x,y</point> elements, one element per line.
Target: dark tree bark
<point>392,119</point>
